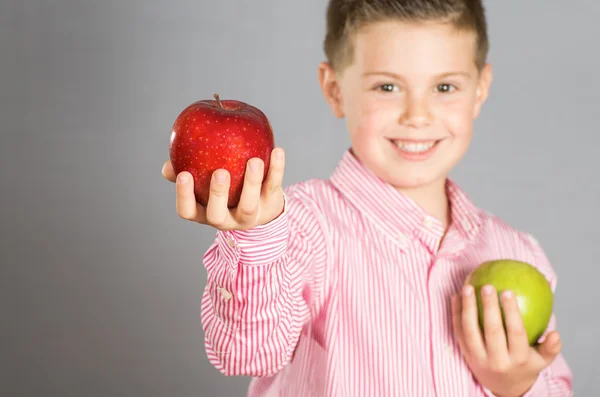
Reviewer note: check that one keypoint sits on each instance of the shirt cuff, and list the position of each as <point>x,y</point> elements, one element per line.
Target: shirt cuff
<point>256,246</point>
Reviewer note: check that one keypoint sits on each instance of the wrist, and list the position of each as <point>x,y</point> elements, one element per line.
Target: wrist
<point>519,389</point>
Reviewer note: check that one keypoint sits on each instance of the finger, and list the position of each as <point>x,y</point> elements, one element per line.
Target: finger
<point>247,208</point>
<point>470,325</point>
<point>217,212</point>
<point>516,335</point>
<point>548,350</point>
<point>168,172</point>
<point>493,327</point>
<point>456,323</point>
<point>187,207</point>
<point>274,180</point>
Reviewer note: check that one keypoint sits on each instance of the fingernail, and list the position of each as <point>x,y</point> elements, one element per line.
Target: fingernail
<point>278,154</point>
<point>487,290</point>
<point>507,294</point>
<point>183,178</point>
<point>220,177</point>
<point>468,290</point>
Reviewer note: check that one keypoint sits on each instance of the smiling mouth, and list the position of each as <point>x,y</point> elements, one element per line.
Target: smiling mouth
<point>414,147</point>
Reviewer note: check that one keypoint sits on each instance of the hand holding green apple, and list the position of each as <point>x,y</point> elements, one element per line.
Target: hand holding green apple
<point>529,286</point>
<point>505,306</point>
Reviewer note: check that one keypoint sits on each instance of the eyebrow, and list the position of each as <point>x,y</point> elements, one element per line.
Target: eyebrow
<point>399,77</point>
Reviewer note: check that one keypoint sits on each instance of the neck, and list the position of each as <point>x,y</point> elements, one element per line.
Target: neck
<point>433,198</point>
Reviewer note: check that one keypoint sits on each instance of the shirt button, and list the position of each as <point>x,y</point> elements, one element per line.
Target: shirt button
<point>225,294</point>
<point>230,242</point>
<point>466,226</point>
<point>402,241</point>
<point>428,221</point>
<point>449,349</point>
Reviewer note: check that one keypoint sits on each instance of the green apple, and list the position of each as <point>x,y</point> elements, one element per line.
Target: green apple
<point>530,287</point>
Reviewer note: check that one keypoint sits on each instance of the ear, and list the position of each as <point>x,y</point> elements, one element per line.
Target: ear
<point>330,88</point>
<point>483,88</point>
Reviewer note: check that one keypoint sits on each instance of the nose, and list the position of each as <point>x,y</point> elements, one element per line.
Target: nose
<point>417,113</point>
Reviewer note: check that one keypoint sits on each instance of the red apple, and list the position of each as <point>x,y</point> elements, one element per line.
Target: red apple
<point>213,134</point>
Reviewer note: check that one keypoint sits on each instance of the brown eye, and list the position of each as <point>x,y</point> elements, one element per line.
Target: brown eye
<point>445,88</point>
<point>387,87</point>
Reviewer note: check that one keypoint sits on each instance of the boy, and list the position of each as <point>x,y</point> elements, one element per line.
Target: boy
<point>353,286</point>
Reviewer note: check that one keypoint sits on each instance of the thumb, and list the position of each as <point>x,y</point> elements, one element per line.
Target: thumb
<point>168,172</point>
<point>549,348</point>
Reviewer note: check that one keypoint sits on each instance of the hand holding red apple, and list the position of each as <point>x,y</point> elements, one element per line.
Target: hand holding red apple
<point>229,174</point>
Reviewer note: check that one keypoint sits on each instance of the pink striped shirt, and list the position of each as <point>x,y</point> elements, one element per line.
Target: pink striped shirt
<point>347,293</point>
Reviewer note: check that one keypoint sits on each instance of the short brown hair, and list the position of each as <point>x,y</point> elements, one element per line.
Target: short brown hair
<point>346,17</point>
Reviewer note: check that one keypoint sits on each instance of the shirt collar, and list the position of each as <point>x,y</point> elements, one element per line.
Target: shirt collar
<point>392,211</point>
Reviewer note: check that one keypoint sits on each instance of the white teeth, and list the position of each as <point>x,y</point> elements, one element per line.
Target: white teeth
<point>414,147</point>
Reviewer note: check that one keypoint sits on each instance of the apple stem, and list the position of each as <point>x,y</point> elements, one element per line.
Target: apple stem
<point>218,100</point>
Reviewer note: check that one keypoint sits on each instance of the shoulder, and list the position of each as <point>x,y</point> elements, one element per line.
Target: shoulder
<point>310,204</point>
<point>316,195</point>
<point>310,190</point>
<point>511,241</point>
<point>493,225</point>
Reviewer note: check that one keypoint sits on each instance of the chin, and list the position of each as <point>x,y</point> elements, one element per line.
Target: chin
<point>409,184</point>
<point>400,179</point>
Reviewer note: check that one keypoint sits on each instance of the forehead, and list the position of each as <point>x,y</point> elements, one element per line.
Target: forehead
<point>413,47</point>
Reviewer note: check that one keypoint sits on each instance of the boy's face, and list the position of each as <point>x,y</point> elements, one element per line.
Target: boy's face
<point>409,98</point>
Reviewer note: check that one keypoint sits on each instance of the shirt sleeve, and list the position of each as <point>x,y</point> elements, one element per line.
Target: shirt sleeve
<point>255,302</point>
<point>556,380</point>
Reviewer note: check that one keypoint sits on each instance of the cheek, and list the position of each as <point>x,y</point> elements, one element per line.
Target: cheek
<point>370,117</point>
<point>458,118</point>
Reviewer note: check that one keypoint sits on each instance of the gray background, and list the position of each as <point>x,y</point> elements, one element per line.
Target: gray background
<point>101,280</point>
